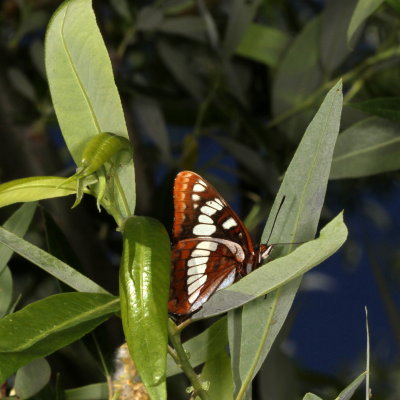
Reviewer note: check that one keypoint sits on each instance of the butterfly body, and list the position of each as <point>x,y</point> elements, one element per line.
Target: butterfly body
<point>212,248</point>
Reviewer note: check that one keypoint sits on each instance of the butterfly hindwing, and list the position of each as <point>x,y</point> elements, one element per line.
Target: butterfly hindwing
<point>201,266</point>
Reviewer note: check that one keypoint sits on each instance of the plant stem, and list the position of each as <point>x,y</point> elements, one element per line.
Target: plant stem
<point>206,103</point>
<point>183,361</point>
<point>313,97</point>
<point>105,369</point>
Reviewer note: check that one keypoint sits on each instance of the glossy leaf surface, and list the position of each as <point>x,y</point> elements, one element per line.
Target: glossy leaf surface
<point>47,325</point>
<point>34,188</point>
<point>144,289</point>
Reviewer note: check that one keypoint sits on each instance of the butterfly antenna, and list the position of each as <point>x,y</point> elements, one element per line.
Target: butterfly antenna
<point>276,217</point>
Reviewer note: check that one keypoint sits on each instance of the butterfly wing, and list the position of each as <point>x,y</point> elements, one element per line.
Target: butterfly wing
<point>200,211</point>
<point>201,266</point>
<point>210,244</point>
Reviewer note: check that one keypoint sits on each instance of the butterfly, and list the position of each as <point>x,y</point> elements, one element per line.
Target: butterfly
<point>211,246</point>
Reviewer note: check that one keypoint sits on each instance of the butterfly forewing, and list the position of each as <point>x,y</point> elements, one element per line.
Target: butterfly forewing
<point>200,211</point>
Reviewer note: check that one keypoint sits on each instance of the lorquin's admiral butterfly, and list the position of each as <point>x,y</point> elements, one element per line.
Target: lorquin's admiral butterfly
<point>211,246</point>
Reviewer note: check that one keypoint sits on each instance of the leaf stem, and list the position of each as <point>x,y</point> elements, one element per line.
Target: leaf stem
<point>350,75</point>
<point>249,377</point>
<point>105,369</point>
<point>206,103</point>
<point>184,324</point>
<point>180,356</point>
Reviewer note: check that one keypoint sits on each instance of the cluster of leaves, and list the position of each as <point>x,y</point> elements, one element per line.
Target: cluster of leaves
<point>218,73</point>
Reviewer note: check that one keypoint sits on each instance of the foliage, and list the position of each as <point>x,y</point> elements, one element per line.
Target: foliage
<point>259,83</point>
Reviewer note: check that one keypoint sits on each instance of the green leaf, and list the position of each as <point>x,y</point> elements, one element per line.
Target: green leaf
<point>49,263</point>
<point>311,396</point>
<point>34,188</point>
<point>246,156</point>
<point>385,107</point>
<point>298,75</point>
<point>151,122</point>
<point>144,289</point>
<point>32,378</point>
<point>348,392</point>
<point>22,84</point>
<point>18,223</point>
<point>278,272</point>
<point>394,4</point>
<point>149,18</point>
<point>47,325</point>
<point>205,346</point>
<point>83,90</point>
<point>263,44</point>
<point>179,64</point>
<point>6,290</point>
<point>217,374</point>
<point>98,391</point>
<point>241,15</point>
<point>369,147</point>
<point>333,41</point>
<point>191,27</point>
<point>304,186</point>
<point>363,10</point>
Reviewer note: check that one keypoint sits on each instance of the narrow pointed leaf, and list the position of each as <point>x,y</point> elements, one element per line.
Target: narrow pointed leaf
<point>347,393</point>
<point>311,396</point>
<point>98,391</point>
<point>263,44</point>
<point>18,223</point>
<point>191,27</point>
<point>179,64</point>
<point>369,147</point>
<point>49,263</point>
<point>279,272</point>
<point>6,287</point>
<point>299,73</point>
<point>241,15</point>
<point>144,288</point>
<point>384,107</point>
<point>362,11</point>
<point>333,40</point>
<point>304,186</point>
<point>33,189</point>
<point>151,122</point>
<point>31,378</point>
<point>48,325</point>
<point>82,87</point>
